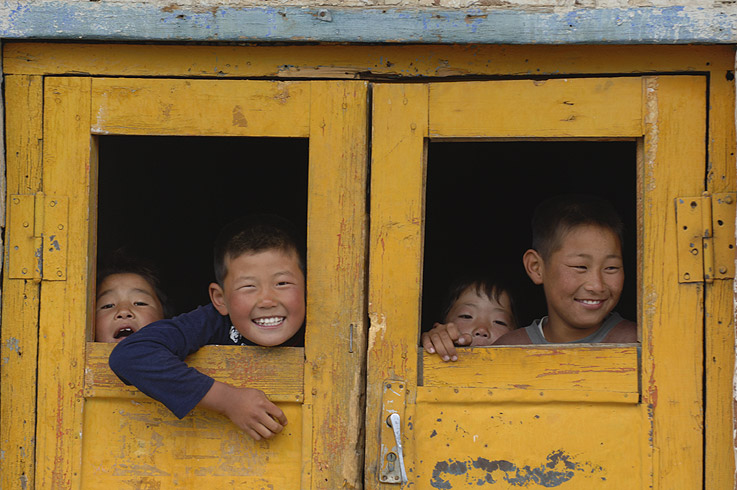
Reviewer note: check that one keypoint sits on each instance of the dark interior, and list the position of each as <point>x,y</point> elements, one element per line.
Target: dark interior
<point>479,203</point>
<point>164,199</point>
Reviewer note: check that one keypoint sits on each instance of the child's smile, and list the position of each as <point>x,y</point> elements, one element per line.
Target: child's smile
<point>269,322</point>
<point>264,295</point>
<point>583,281</point>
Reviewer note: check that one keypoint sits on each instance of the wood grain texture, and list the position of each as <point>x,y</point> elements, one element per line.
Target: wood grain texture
<point>527,445</point>
<point>596,368</point>
<point>672,315</point>
<point>200,108</point>
<point>561,108</point>
<point>331,61</point>
<point>395,264</point>
<point>336,308</point>
<point>113,21</point>
<point>278,372</point>
<point>140,444</point>
<point>20,298</point>
<point>719,296</point>
<point>67,148</point>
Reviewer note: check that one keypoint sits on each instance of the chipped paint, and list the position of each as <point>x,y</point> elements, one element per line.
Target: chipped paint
<point>12,344</point>
<point>559,468</point>
<point>124,21</point>
<point>378,327</point>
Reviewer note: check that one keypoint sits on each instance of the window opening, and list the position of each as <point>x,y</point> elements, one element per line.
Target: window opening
<point>479,202</point>
<point>164,199</point>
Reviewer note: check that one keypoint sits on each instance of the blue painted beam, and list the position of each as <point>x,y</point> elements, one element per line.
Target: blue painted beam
<point>100,20</point>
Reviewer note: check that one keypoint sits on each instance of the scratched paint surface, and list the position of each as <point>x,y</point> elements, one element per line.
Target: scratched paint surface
<point>142,445</point>
<point>514,445</point>
<point>399,21</point>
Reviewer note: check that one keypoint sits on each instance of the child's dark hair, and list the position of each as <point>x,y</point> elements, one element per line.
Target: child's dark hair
<point>493,287</point>
<point>256,233</point>
<point>119,262</point>
<point>555,217</point>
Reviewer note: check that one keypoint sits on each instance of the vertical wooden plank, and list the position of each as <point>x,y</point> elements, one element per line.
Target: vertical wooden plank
<point>400,125</point>
<point>62,322</point>
<point>336,308</point>
<point>719,300</point>
<point>24,105</point>
<point>672,313</point>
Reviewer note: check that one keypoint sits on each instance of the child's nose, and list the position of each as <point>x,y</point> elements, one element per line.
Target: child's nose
<point>481,333</point>
<point>124,312</point>
<point>596,281</point>
<point>266,300</point>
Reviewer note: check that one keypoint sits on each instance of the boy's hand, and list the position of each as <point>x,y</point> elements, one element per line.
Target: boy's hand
<point>442,339</point>
<point>247,408</point>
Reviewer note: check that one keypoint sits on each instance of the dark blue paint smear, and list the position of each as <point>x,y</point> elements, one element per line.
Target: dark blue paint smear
<point>558,469</point>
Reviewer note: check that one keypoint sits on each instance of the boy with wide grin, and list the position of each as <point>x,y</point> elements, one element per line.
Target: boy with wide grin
<point>258,299</point>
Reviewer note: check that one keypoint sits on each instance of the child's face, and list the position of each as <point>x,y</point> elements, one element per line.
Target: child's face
<point>264,294</point>
<point>125,304</point>
<point>583,280</point>
<point>484,319</point>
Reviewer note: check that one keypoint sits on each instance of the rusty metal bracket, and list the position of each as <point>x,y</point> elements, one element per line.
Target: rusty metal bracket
<point>37,236</point>
<point>723,225</point>
<point>56,219</point>
<point>705,236</point>
<point>22,249</point>
<point>392,402</point>
<point>690,237</point>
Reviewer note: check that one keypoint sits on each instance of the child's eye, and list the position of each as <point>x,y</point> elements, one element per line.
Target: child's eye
<point>107,306</point>
<point>580,268</point>
<point>499,322</point>
<point>612,268</point>
<point>465,317</point>
<point>283,283</point>
<point>140,303</point>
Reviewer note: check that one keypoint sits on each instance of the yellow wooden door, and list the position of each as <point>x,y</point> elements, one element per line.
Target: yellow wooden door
<point>94,432</point>
<point>596,416</point>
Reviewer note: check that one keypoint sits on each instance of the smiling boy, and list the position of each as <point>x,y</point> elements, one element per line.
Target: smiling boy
<point>258,299</point>
<point>576,256</point>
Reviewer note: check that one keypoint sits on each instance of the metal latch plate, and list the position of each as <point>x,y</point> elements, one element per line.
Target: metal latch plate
<point>393,401</point>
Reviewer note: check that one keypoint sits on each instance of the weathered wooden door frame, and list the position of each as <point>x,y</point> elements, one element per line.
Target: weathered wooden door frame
<point>26,64</point>
<point>72,368</point>
<point>667,115</point>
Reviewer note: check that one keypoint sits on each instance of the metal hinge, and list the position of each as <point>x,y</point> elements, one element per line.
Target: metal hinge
<point>706,240</point>
<point>37,237</point>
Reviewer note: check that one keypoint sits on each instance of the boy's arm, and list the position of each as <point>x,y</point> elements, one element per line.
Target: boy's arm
<point>152,359</point>
<point>442,339</point>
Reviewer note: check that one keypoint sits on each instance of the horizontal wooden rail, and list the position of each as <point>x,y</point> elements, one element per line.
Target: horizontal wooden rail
<point>535,373</point>
<point>278,372</point>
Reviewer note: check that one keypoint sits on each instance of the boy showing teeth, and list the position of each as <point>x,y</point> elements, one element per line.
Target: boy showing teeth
<point>576,255</point>
<point>258,299</point>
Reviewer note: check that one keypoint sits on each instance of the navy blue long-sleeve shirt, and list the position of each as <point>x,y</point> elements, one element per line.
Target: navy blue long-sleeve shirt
<point>152,359</point>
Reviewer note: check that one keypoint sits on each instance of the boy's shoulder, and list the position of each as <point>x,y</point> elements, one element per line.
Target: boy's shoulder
<point>515,337</point>
<point>624,332</point>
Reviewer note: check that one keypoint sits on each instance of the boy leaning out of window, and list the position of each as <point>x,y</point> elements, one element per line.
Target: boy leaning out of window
<point>258,299</point>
